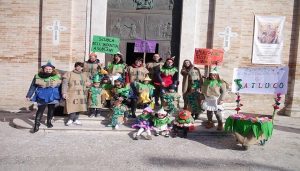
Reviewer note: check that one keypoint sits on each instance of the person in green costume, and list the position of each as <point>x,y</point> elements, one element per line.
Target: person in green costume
<point>183,121</point>
<point>162,123</point>
<point>214,90</point>
<point>106,94</point>
<point>145,92</point>
<point>119,114</point>
<point>94,98</point>
<point>117,67</point>
<point>45,90</point>
<point>194,100</point>
<point>171,100</point>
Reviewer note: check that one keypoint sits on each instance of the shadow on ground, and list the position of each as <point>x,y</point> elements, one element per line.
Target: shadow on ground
<point>209,163</point>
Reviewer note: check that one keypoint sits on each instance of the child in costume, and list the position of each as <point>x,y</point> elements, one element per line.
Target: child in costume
<point>214,90</point>
<point>106,95</point>
<point>194,100</point>
<point>119,114</point>
<point>171,100</point>
<point>184,121</point>
<point>143,123</point>
<point>94,98</point>
<point>162,123</point>
<point>145,92</point>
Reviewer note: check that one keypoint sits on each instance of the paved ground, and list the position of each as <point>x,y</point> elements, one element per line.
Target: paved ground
<point>21,150</point>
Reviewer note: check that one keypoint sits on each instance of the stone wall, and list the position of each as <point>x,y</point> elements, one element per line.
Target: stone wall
<point>26,41</point>
<point>212,17</point>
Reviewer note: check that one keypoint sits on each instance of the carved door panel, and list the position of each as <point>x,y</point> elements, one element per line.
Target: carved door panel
<point>158,20</point>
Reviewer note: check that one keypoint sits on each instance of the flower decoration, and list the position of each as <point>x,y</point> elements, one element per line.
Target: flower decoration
<point>276,104</point>
<point>238,104</point>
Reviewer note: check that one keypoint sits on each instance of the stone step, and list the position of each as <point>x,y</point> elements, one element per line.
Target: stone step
<point>97,124</point>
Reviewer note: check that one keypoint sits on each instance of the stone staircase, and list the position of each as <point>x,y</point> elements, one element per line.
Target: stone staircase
<point>95,124</point>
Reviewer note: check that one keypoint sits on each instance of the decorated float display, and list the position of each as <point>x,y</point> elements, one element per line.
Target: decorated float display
<point>250,128</point>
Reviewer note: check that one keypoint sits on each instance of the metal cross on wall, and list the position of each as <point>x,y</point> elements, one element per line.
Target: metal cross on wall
<point>227,34</point>
<point>56,28</point>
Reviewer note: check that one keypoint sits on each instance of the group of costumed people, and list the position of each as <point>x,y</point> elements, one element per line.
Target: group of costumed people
<point>91,87</point>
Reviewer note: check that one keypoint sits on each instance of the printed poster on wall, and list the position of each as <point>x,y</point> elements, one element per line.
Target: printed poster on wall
<point>268,39</point>
<point>263,80</point>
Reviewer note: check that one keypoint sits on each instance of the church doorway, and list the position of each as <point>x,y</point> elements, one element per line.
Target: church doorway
<point>158,20</point>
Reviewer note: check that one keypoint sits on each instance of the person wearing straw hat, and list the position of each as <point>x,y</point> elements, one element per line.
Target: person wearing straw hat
<point>214,90</point>
<point>45,90</point>
<point>145,91</point>
<point>74,90</point>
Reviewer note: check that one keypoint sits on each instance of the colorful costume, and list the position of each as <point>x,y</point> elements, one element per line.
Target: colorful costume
<point>143,123</point>
<point>171,102</point>
<point>162,123</point>
<point>194,99</point>
<point>214,91</point>
<point>119,112</point>
<point>145,92</point>
<point>94,98</point>
<point>45,90</point>
<point>184,121</point>
<point>191,78</point>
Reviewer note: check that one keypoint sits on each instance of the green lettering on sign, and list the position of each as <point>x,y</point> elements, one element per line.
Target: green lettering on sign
<point>109,45</point>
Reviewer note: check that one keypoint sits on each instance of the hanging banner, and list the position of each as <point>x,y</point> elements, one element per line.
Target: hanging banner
<point>268,40</point>
<point>264,80</point>
<point>205,56</point>
<point>147,46</point>
<point>109,45</point>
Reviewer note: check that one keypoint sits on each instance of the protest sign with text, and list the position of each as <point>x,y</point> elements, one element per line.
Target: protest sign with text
<point>109,45</point>
<point>204,56</point>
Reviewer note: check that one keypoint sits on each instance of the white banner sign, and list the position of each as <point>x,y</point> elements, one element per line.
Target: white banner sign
<point>267,80</point>
<point>268,40</point>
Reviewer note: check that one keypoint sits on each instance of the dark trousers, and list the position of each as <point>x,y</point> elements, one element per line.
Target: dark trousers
<point>40,111</point>
<point>74,116</point>
<point>94,111</point>
<point>184,129</point>
<point>218,116</point>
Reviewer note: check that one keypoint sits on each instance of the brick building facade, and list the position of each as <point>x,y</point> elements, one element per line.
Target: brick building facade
<point>37,30</point>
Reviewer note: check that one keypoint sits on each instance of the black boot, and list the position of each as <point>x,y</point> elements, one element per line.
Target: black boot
<point>38,117</point>
<point>49,124</point>
<point>36,127</point>
<point>50,115</point>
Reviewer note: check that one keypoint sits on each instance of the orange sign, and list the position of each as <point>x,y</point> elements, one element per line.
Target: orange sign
<point>205,56</point>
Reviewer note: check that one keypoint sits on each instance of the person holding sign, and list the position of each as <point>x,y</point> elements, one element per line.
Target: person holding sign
<point>92,65</point>
<point>191,77</point>
<point>135,73</point>
<point>75,92</point>
<point>45,90</point>
<point>214,90</point>
<point>154,67</point>
<point>117,66</point>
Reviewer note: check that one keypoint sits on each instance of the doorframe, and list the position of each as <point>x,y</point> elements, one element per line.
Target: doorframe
<point>96,14</point>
